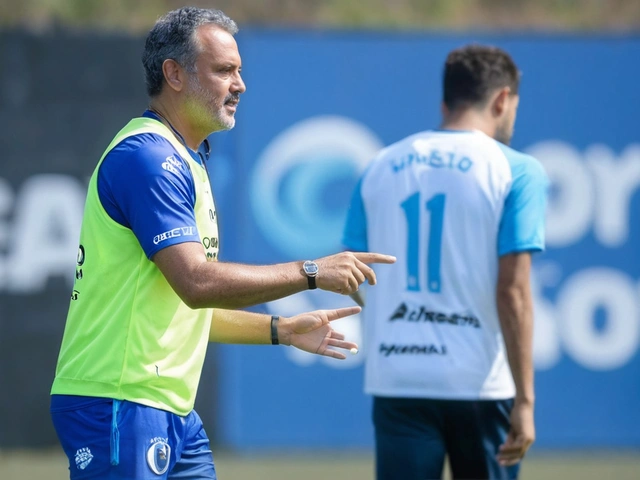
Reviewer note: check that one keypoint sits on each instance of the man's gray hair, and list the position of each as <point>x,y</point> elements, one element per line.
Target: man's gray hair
<point>173,37</point>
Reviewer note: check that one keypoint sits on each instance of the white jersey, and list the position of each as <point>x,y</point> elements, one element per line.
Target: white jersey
<point>447,204</point>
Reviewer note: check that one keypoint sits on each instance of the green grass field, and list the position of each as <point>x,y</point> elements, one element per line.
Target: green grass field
<point>52,465</point>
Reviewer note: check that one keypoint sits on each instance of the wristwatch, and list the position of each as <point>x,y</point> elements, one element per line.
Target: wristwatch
<point>311,270</point>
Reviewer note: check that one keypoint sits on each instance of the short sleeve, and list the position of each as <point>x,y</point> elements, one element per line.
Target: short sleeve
<point>354,236</point>
<point>523,216</point>
<point>144,185</point>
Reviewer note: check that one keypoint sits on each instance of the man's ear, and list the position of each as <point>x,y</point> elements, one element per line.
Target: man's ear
<point>174,74</point>
<point>500,101</point>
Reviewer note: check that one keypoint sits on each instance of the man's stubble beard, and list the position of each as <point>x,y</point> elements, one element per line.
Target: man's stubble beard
<point>208,110</point>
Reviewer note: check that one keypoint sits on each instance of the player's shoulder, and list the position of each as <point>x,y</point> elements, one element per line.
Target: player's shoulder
<point>147,153</point>
<point>521,163</point>
<point>144,146</point>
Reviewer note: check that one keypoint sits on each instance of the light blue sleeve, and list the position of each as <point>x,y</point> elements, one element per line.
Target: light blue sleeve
<point>522,223</point>
<point>354,236</point>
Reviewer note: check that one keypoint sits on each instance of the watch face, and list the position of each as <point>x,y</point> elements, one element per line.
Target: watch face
<point>310,268</point>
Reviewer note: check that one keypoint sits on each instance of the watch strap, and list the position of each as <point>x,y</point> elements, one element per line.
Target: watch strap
<point>274,330</point>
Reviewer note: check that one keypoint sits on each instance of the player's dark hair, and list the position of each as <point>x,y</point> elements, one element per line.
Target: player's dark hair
<point>473,72</point>
<point>173,37</point>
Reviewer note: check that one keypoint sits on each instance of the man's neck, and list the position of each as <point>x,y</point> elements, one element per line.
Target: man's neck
<point>172,118</point>
<point>468,120</point>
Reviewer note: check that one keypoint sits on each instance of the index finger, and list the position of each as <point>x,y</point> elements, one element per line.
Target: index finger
<point>369,257</point>
<point>341,312</point>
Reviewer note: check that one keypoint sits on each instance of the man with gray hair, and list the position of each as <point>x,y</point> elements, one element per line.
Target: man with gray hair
<point>149,291</point>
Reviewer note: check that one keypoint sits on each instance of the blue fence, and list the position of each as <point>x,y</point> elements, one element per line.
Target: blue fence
<point>319,105</point>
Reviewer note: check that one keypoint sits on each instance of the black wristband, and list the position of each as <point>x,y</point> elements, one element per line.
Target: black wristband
<point>274,330</point>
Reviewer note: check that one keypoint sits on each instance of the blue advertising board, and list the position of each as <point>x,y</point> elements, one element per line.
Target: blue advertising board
<point>317,108</point>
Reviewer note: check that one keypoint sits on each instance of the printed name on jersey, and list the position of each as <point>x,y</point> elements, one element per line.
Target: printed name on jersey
<point>393,349</point>
<point>172,164</point>
<point>176,232</point>
<point>436,159</point>
<point>424,315</point>
<point>83,458</point>
<point>158,455</point>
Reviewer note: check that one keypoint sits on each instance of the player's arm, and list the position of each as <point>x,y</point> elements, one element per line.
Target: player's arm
<point>200,283</point>
<point>515,310</point>
<point>155,197</point>
<point>309,331</point>
<point>521,233</point>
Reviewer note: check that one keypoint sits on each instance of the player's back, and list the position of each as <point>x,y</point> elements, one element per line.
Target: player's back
<point>435,200</point>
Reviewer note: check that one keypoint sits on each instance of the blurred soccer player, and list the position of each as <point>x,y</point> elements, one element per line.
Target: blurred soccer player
<point>149,290</point>
<point>448,330</point>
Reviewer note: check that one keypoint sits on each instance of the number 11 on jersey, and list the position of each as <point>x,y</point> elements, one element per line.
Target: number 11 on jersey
<point>412,211</point>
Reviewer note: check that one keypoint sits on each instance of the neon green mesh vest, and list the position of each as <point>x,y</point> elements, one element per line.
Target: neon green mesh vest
<point>128,335</point>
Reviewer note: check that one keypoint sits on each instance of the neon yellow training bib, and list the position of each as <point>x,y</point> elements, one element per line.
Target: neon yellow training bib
<point>128,335</point>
